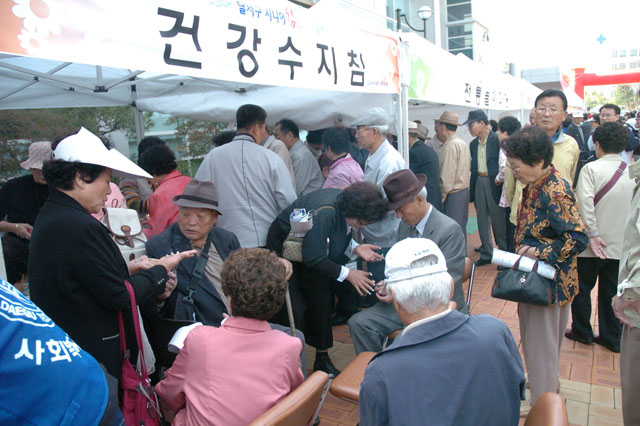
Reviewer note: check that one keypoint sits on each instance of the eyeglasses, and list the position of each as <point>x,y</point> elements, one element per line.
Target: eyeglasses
<point>606,115</point>
<point>470,125</point>
<point>362,130</point>
<point>551,110</point>
<point>512,167</point>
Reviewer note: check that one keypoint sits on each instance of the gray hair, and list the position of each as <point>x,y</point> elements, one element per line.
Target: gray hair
<point>382,128</point>
<point>424,292</point>
<point>423,193</point>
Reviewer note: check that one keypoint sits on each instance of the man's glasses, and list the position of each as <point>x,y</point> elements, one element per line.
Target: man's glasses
<point>550,110</point>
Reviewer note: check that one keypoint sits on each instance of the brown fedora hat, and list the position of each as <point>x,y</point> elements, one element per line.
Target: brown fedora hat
<point>402,186</point>
<point>198,194</point>
<point>448,117</point>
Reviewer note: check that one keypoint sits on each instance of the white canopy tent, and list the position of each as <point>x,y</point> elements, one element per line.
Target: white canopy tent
<point>198,60</point>
<point>312,94</point>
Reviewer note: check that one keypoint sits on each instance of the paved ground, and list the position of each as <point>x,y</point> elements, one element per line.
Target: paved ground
<point>590,375</point>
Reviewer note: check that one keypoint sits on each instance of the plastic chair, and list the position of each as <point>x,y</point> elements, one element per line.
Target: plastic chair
<point>300,407</point>
<point>347,384</point>
<point>549,410</point>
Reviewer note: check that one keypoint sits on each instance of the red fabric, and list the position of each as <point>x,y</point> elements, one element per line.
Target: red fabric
<point>162,211</point>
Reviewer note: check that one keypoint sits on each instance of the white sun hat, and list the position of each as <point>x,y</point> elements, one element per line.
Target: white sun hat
<point>399,259</point>
<point>86,147</point>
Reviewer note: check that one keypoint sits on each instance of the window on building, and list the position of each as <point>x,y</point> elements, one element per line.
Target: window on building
<point>633,65</point>
<point>633,52</point>
<point>459,12</point>
<point>622,53</point>
<point>460,42</point>
<point>459,30</point>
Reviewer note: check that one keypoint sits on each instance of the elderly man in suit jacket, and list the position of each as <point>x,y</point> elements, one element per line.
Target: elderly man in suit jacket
<point>485,193</point>
<point>407,196</point>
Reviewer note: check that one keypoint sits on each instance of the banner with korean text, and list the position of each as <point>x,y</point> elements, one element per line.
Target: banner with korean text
<point>269,42</point>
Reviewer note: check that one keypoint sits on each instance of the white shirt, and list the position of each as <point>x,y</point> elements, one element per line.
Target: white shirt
<point>424,321</point>
<point>378,166</point>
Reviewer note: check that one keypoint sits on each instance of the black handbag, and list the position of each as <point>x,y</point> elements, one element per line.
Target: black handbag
<point>523,287</point>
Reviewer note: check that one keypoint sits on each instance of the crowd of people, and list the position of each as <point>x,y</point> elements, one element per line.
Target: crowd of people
<point>387,242</point>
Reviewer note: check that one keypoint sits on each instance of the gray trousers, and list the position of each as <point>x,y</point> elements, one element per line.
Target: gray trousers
<point>369,328</point>
<point>489,214</point>
<point>456,206</point>
<point>541,332</point>
<point>630,375</point>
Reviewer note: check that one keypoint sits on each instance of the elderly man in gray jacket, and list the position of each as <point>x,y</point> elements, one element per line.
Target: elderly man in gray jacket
<point>253,183</point>
<point>407,196</point>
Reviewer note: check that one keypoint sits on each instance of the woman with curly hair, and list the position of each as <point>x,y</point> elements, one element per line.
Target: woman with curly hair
<point>167,182</point>
<point>549,229</point>
<point>233,374</point>
<point>314,280</point>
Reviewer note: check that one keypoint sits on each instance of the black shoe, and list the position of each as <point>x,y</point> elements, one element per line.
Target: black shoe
<point>612,348</point>
<point>341,318</point>
<point>324,364</point>
<point>502,268</point>
<point>569,334</point>
<point>478,249</point>
<point>482,262</point>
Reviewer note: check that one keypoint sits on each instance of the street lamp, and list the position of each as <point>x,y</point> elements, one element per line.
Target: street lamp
<point>424,13</point>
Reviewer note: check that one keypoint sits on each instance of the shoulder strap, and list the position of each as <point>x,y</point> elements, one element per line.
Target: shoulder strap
<point>136,325</point>
<point>198,270</point>
<point>325,207</point>
<point>616,175</point>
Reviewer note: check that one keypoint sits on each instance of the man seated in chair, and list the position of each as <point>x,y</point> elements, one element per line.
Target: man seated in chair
<point>407,195</point>
<point>446,367</point>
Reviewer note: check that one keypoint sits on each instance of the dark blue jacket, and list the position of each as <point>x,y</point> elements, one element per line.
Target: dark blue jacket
<point>423,159</point>
<point>493,156</point>
<point>208,304</point>
<point>455,370</point>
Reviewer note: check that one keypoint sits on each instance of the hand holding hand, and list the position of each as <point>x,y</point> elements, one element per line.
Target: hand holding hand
<point>172,260</point>
<point>382,294</point>
<point>367,253</point>
<point>141,263</point>
<point>361,281</point>
<point>170,285</point>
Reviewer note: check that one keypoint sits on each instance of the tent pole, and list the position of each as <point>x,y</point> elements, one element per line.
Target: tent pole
<point>139,123</point>
<point>403,125</point>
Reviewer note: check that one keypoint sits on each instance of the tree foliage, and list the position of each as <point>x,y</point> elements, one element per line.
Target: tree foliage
<point>626,97</point>
<point>20,127</point>
<point>594,99</point>
<point>196,135</point>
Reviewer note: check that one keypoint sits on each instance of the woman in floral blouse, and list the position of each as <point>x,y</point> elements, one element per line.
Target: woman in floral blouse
<point>549,229</point>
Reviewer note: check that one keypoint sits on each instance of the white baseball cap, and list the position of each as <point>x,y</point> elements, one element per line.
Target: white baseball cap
<point>86,147</point>
<point>404,253</point>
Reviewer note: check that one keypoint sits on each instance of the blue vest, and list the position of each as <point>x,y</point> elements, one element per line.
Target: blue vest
<point>47,379</point>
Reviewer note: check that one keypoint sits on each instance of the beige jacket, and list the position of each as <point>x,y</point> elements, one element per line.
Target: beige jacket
<point>604,220</point>
<point>277,146</point>
<point>629,275</point>
<point>565,156</point>
<point>455,166</point>
<point>565,160</point>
